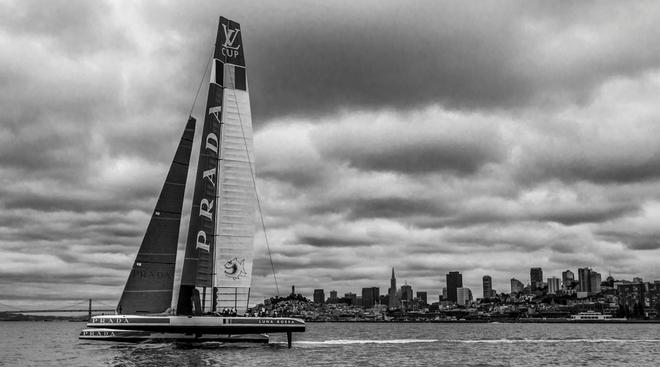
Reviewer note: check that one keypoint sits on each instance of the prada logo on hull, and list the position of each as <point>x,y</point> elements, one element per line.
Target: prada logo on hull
<point>110,320</point>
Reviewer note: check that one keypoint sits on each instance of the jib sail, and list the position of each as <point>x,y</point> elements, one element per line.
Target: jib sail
<point>150,283</point>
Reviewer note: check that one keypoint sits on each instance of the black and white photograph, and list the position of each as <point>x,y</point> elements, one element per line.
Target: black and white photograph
<point>329,183</point>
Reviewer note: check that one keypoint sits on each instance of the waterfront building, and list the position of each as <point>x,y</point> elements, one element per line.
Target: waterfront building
<point>319,296</point>
<point>422,297</point>
<point>454,281</point>
<point>516,286</point>
<point>633,297</point>
<point>333,297</point>
<point>463,296</point>
<point>654,297</point>
<point>553,285</point>
<point>487,283</point>
<point>391,292</point>
<point>567,279</point>
<point>536,277</point>
<point>444,294</point>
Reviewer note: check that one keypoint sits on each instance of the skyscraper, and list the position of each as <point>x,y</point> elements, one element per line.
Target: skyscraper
<point>423,297</point>
<point>584,281</point>
<point>406,295</point>
<point>370,296</point>
<point>553,285</point>
<point>375,292</point>
<point>536,277</point>
<point>488,286</point>
<point>393,302</point>
<point>454,281</point>
<point>595,279</point>
<point>516,286</point>
<point>319,296</point>
<point>463,296</point>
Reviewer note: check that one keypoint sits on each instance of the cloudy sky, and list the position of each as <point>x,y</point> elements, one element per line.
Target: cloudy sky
<point>429,136</point>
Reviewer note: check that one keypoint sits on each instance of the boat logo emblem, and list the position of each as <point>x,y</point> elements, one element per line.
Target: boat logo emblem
<point>235,269</point>
<point>230,37</point>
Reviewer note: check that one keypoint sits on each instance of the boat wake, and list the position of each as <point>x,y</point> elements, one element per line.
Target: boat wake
<point>514,341</point>
<point>365,341</point>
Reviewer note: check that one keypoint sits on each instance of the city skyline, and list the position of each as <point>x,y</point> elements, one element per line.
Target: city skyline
<point>429,135</point>
<point>434,294</point>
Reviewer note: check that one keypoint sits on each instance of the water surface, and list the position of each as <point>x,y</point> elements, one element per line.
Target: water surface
<point>364,344</point>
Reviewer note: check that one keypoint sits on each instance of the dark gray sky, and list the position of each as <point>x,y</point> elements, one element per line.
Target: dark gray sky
<point>428,136</point>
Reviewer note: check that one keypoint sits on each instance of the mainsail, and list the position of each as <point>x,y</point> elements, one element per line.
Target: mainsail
<point>150,283</point>
<point>217,266</point>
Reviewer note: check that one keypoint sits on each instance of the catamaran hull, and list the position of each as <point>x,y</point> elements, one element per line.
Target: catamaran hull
<point>137,336</point>
<point>200,328</point>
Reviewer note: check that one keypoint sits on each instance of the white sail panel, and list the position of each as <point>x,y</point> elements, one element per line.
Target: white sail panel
<point>235,225</point>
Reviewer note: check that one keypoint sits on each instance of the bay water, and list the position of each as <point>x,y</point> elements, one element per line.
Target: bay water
<point>352,344</point>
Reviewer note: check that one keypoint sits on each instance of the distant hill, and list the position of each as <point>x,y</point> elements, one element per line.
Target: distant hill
<point>9,316</point>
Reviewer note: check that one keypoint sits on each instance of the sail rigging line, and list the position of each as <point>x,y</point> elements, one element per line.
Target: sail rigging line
<point>216,194</point>
<point>8,306</point>
<point>201,82</point>
<point>254,182</point>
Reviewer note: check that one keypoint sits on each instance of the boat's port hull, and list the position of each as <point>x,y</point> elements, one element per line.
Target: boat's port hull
<point>137,336</point>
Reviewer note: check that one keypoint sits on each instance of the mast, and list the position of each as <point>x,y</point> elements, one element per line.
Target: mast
<point>149,285</point>
<point>218,259</point>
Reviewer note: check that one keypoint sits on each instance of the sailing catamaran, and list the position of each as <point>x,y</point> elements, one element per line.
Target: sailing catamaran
<point>217,266</point>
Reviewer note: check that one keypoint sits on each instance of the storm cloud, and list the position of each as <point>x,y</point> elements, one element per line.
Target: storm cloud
<point>426,136</point>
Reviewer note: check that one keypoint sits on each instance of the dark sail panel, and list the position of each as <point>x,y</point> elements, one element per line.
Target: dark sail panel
<point>149,285</point>
<point>197,264</point>
<point>229,43</point>
<point>197,268</point>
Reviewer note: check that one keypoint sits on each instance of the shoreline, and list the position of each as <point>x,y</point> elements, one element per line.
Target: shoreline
<point>33,318</point>
<point>519,321</point>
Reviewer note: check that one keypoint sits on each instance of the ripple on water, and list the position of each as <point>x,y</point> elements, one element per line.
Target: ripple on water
<point>56,343</point>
